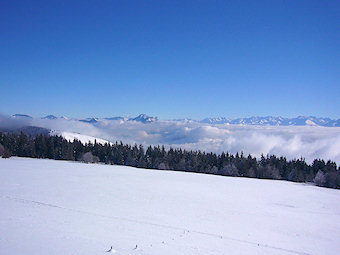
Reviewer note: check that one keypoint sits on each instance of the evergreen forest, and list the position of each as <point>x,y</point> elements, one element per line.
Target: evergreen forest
<point>325,174</point>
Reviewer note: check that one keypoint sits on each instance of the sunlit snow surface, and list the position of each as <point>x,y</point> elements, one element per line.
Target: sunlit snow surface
<point>82,138</point>
<point>57,207</point>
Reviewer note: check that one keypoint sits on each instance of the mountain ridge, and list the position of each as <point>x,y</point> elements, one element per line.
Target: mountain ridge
<point>253,120</point>
<point>275,121</point>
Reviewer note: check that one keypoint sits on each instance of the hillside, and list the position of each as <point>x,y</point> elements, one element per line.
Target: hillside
<point>58,207</point>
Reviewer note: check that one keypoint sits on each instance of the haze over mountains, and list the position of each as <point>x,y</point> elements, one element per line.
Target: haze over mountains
<point>276,121</point>
<point>254,120</point>
<point>307,137</point>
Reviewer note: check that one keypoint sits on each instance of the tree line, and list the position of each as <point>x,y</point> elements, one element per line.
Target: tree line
<point>322,173</point>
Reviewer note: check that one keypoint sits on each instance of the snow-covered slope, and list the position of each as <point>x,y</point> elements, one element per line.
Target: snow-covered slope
<point>57,207</point>
<point>144,118</point>
<point>82,138</point>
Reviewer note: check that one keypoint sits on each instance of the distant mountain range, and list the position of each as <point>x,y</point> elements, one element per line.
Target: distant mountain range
<point>261,121</point>
<point>276,121</point>
<point>140,118</point>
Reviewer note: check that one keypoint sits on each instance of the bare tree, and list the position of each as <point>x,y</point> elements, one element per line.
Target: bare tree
<point>213,170</point>
<point>272,172</point>
<point>89,158</point>
<point>163,166</point>
<point>230,170</point>
<point>320,178</point>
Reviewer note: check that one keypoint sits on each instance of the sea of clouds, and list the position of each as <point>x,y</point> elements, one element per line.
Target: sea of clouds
<point>309,142</point>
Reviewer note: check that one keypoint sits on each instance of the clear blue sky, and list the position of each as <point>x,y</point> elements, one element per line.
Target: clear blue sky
<point>172,59</point>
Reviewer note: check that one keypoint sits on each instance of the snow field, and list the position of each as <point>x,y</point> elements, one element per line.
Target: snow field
<point>60,207</point>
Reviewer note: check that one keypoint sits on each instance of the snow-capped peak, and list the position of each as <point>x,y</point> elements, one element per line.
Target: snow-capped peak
<point>275,121</point>
<point>144,118</point>
<point>50,117</point>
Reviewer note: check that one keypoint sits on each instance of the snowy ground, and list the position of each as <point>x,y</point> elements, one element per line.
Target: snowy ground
<point>57,207</point>
<point>69,136</point>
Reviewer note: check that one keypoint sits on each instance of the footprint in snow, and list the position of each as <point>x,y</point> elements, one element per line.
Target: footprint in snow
<point>111,250</point>
<point>137,248</point>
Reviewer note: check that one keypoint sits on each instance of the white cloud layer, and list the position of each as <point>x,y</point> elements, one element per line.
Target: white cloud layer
<point>309,142</point>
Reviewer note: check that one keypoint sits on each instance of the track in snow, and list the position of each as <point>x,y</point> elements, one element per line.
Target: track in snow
<point>21,200</point>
